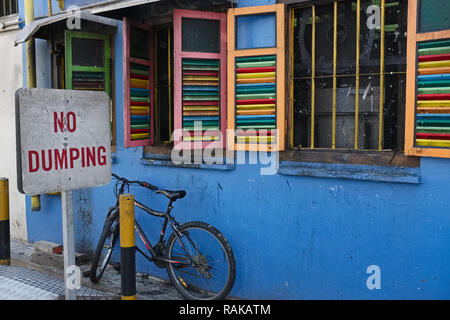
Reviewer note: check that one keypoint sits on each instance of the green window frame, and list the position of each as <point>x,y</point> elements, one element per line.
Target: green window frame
<point>70,68</point>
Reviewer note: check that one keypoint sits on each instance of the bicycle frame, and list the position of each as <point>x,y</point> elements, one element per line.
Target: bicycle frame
<point>168,219</point>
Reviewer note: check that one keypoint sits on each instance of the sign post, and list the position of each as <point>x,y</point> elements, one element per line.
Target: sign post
<point>63,144</point>
<point>68,242</point>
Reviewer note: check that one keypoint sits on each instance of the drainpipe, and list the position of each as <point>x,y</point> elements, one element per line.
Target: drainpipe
<point>31,77</point>
<point>31,54</point>
<point>49,5</point>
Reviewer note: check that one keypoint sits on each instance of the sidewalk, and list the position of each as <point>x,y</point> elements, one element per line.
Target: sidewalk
<point>26,280</point>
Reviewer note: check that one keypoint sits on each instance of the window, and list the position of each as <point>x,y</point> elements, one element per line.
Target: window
<point>428,83</point>
<point>84,63</point>
<point>163,83</point>
<point>348,75</point>
<point>8,7</point>
<point>138,84</point>
<point>256,79</point>
<point>434,15</point>
<point>87,61</point>
<point>199,79</point>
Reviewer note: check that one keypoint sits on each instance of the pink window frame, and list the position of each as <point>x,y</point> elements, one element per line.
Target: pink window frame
<point>127,60</point>
<point>178,14</point>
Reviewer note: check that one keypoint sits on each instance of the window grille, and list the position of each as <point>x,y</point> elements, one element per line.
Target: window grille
<point>348,66</point>
<point>8,7</point>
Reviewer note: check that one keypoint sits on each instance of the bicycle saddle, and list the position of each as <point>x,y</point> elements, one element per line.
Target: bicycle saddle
<point>172,195</point>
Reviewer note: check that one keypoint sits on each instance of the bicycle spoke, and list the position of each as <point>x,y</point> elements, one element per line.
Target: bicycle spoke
<point>209,270</point>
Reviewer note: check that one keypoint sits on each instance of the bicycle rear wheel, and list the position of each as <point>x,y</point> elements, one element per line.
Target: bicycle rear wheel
<point>105,245</point>
<point>206,268</point>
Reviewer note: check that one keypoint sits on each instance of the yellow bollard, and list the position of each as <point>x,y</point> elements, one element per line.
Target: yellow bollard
<point>127,247</point>
<point>36,202</point>
<point>5,241</point>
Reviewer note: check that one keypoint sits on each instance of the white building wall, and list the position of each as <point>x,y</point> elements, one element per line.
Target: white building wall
<point>10,81</point>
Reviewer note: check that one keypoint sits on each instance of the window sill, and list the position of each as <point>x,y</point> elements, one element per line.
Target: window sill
<point>9,23</point>
<point>371,158</point>
<point>351,171</point>
<point>164,160</point>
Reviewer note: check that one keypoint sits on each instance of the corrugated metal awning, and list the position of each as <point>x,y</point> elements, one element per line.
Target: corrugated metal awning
<point>39,28</point>
<point>118,5</point>
<point>117,9</point>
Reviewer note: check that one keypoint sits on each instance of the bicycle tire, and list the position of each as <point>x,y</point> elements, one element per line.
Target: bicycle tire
<point>110,231</point>
<point>196,283</point>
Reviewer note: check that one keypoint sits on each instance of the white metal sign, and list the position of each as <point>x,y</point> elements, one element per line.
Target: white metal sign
<point>63,140</point>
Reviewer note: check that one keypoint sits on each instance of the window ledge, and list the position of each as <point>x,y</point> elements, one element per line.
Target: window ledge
<point>165,161</point>
<point>8,23</point>
<point>350,171</point>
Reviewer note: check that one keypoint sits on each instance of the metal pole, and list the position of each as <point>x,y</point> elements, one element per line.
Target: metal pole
<point>382,44</point>
<point>358,54</point>
<point>313,75</point>
<point>68,241</point>
<point>49,5</point>
<point>335,19</point>
<point>31,54</point>
<point>127,247</point>
<point>31,77</point>
<point>5,240</point>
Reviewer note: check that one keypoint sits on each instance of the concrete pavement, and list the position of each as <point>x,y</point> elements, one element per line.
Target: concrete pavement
<point>27,280</point>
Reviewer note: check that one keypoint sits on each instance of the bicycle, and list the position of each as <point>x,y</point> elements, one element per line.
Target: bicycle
<point>196,272</point>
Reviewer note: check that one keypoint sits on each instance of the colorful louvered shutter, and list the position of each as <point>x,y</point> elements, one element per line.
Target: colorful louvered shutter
<point>199,79</point>
<point>138,84</point>
<point>87,60</point>
<point>428,81</point>
<point>256,79</point>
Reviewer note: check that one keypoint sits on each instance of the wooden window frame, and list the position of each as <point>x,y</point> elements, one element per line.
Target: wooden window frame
<point>415,37</point>
<point>178,56</point>
<point>279,51</point>
<point>127,60</point>
<point>108,70</point>
<point>388,158</point>
<point>69,35</point>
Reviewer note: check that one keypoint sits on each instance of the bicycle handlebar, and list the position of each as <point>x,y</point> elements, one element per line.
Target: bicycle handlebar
<point>141,183</point>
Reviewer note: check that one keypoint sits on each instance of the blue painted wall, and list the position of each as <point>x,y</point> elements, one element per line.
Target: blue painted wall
<point>293,237</point>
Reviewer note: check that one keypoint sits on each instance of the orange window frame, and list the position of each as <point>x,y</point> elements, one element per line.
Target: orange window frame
<point>414,39</point>
<point>279,52</point>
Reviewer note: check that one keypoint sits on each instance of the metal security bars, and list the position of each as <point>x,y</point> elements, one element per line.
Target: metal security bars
<point>347,74</point>
<point>8,7</point>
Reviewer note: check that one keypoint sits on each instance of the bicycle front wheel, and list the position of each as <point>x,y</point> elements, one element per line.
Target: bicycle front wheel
<point>105,245</point>
<point>205,268</point>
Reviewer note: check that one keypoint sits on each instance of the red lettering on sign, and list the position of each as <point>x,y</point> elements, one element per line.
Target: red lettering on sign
<point>71,122</point>
<point>74,155</point>
<point>59,123</point>
<point>63,159</point>
<point>48,161</point>
<point>33,154</point>
<point>90,156</point>
<point>101,158</point>
<point>60,159</point>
